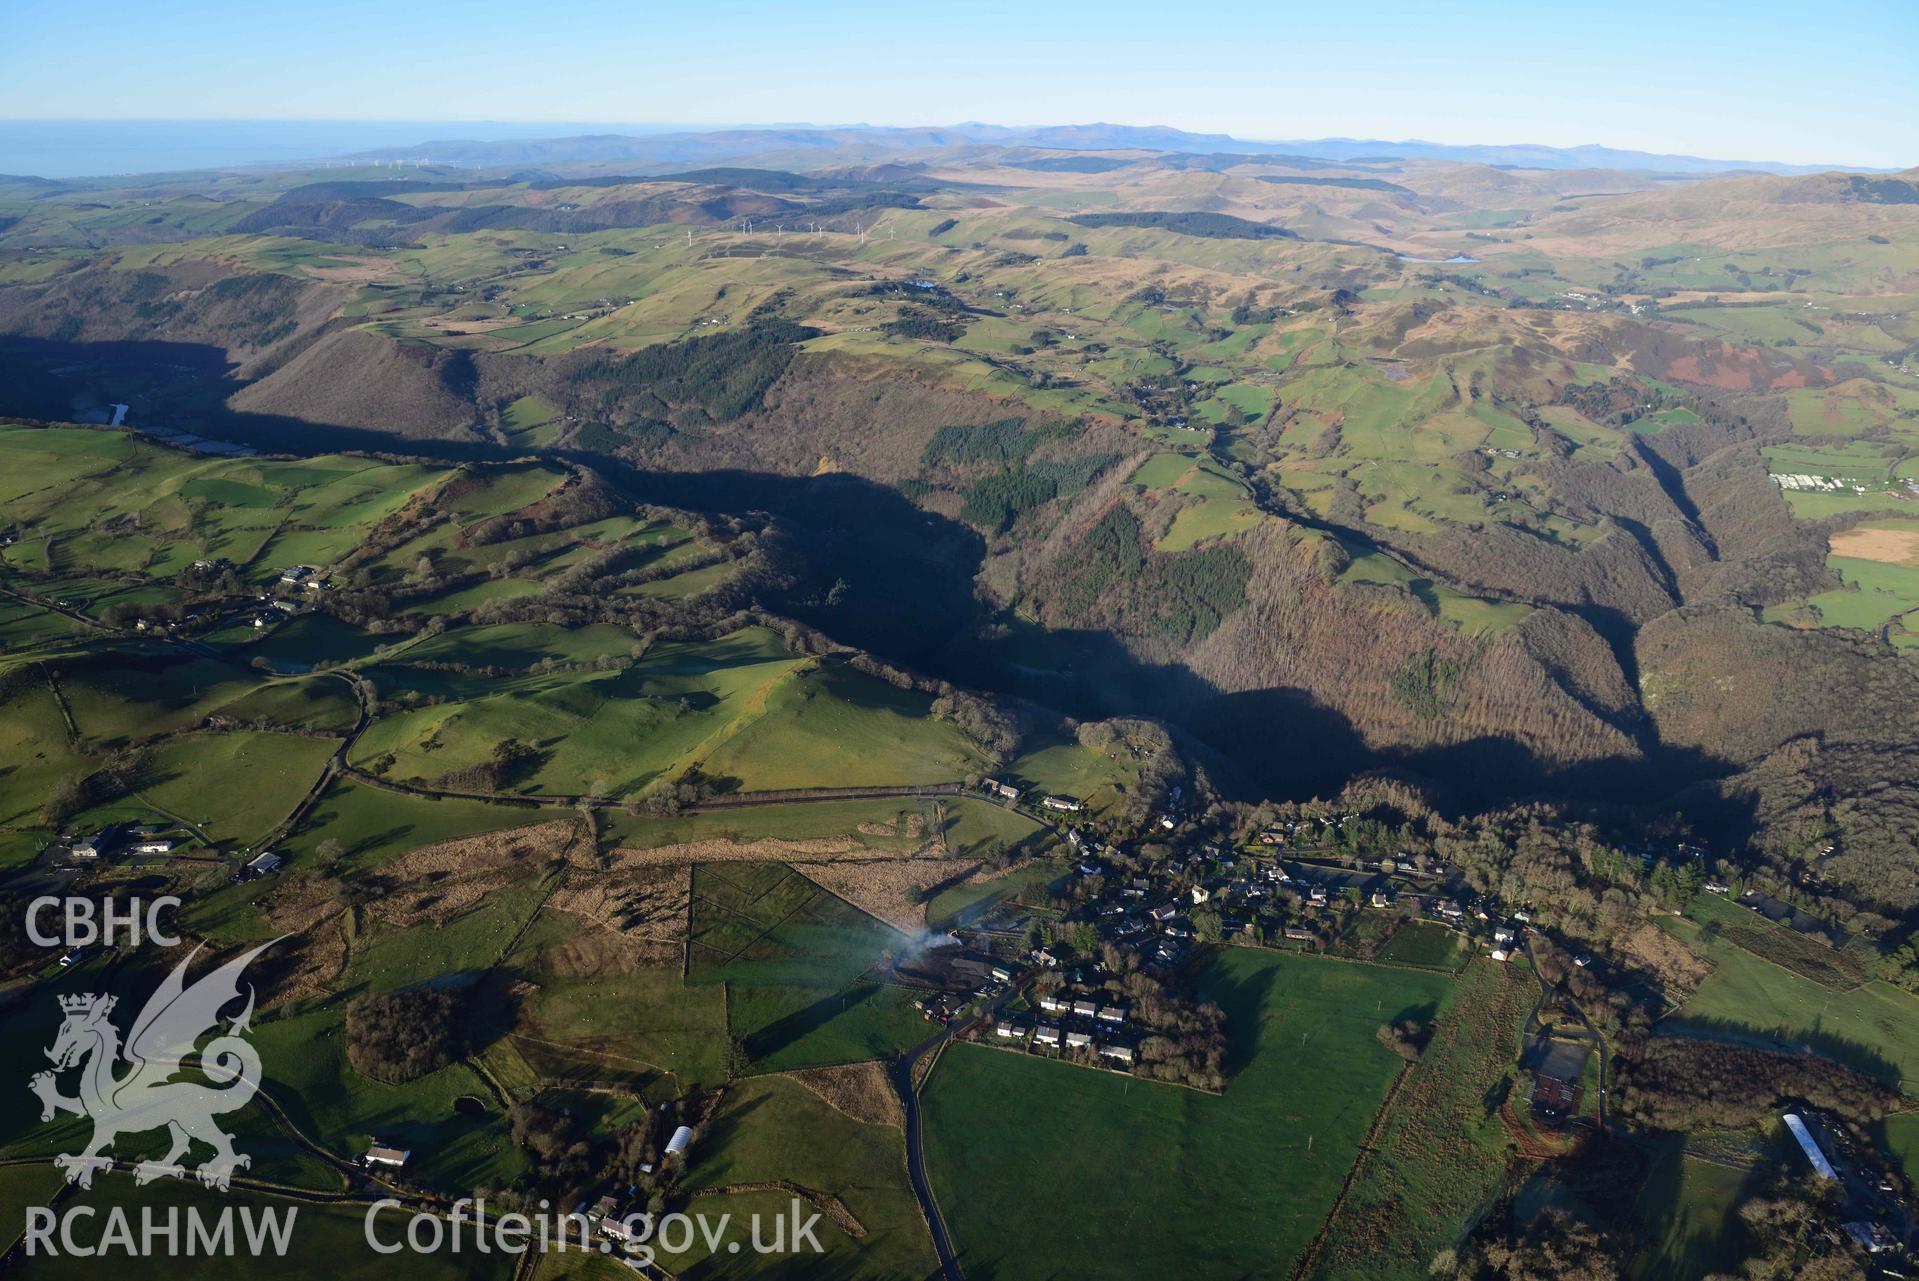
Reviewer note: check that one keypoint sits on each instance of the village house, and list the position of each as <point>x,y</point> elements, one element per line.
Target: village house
<point>1085,1009</point>
<point>1112,1014</point>
<point>1201,894</point>
<point>1054,1004</point>
<point>1047,1035</point>
<point>1123,1053</point>
<point>1078,1040</point>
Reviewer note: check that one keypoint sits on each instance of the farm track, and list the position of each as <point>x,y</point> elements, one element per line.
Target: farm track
<point>1592,1033</point>
<point>742,800</point>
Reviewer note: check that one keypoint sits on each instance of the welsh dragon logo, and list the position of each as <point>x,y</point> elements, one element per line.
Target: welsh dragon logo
<point>147,1097</point>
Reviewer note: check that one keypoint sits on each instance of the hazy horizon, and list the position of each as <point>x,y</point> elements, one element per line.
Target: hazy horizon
<point>62,148</point>
<point>1751,81</point>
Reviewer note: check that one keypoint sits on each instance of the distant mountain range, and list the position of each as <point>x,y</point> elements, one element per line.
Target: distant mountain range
<point>868,141</point>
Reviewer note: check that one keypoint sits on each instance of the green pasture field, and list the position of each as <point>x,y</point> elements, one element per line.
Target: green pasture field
<point>1440,1153</point>
<point>797,820</point>
<point>1205,522</point>
<point>1902,1141</point>
<point>1862,460</point>
<point>1059,766</point>
<point>770,1128</point>
<point>785,1028</point>
<point>520,645</point>
<point>307,1073</point>
<point>317,703</point>
<point>309,639</point>
<point>1006,1132</point>
<point>24,626</point>
<point>828,725</point>
<point>643,1022</point>
<point>112,501</point>
<point>20,846</point>
<point>236,787</point>
<point>739,707</point>
<point>1874,592</point>
<point>1427,944</point>
<point>792,957</point>
<point>975,828</point>
<point>1873,1027</point>
<point>456,951</point>
<point>1162,471</point>
<point>1471,614</point>
<point>120,694</point>
<point>1690,1208</point>
<point>33,743</point>
<point>376,826</point>
<point>614,730</point>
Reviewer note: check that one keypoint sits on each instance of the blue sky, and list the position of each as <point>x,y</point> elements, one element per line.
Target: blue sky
<point>1837,82</point>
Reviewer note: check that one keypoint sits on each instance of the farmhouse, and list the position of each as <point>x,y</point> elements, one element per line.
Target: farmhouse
<point>393,1158</point>
<point>1064,804</point>
<point>1005,791</point>
<point>153,845</point>
<point>266,863</point>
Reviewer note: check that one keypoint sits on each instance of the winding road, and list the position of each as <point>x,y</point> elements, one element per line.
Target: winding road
<point>915,1148</point>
